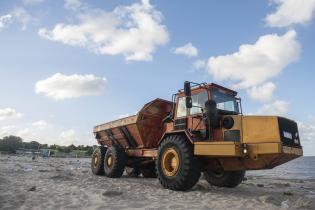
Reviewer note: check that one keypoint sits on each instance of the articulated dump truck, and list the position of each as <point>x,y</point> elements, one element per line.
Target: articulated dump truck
<point>202,130</point>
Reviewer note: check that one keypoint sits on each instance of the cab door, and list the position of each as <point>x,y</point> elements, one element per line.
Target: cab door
<point>192,119</point>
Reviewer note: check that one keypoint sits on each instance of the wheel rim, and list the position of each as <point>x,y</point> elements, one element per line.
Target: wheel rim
<point>95,160</point>
<point>170,162</point>
<point>109,161</point>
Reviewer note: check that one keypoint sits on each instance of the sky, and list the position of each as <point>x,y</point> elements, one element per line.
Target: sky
<point>67,65</point>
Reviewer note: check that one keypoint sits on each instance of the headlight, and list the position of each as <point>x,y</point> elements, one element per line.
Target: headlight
<point>228,122</point>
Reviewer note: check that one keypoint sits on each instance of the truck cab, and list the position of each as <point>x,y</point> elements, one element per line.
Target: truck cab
<point>195,120</point>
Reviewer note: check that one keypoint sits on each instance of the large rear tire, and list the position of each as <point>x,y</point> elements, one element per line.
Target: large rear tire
<point>176,166</point>
<point>97,163</point>
<point>114,162</point>
<point>228,179</point>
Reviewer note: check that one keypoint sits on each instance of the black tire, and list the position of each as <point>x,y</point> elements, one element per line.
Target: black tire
<point>132,172</point>
<point>149,171</point>
<point>97,161</point>
<point>117,166</point>
<point>188,170</point>
<point>228,179</point>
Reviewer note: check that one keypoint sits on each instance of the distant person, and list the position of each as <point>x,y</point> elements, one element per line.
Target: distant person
<point>33,156</point>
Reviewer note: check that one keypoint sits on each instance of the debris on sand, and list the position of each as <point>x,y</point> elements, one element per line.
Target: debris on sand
<point>285,204</point>
<point>111,193</point>
<point>43,170</point>
<point>260,185</point>
<point>28,168</point>
<point>288,193</point>
<point>287,184</point>
<point>61,177</point>
<point>32,188</point>
<point>282,184</point>
<point>275,200</point>
<point>301,203</point>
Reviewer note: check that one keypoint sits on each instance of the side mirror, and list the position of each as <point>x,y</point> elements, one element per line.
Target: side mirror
<point>187,88</point>
<point>188,102</point>
<point>187,91</point>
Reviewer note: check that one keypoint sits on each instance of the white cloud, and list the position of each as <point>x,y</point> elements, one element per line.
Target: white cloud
<point>278,107</point>
<point>18,14</point>
<point>60,86</point>
<point>36,131</point>
<point>6,130</point>
<point>68,137</point>
<point>307,132</point>
<point>29,2</point>
<point>254,64</point>
<point>72,4</point>
<point>45,133</point>
<point>41,124</point>
<point>188,50</point>
<point>262,93</point>
<point>9,113</point>
<point>28,134</point>
<point>199,64</point>
<point>68,133</point>
<point>132,31</point>
<point>290,12</point>
<point>22,16</point>
<point>5,21</point>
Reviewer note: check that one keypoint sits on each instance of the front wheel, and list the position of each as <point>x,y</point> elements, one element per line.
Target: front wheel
<point>222,178</point>
<point>176,165</point>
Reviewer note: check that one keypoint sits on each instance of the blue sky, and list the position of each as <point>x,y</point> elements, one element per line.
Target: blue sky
<point>69,65</point>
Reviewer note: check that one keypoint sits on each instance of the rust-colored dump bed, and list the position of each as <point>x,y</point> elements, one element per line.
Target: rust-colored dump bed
<point>142,130</point>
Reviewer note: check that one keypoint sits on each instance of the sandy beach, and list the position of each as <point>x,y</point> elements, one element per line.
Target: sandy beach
<point>57,183</point>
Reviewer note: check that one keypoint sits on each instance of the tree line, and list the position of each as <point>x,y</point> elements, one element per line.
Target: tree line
<point>12,143</point>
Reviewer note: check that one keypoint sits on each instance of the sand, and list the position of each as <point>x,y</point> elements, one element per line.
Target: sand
<point>57,183</point>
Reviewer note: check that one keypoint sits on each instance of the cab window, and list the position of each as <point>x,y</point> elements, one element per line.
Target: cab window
<point>198,101</point>
<point>224,101</point>
<point>181,108</point>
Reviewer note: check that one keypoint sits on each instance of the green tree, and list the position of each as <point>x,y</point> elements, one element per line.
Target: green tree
<point>34,145</point>
<point>81,147</point>
<point>67,149</point>
<point>89,150</point>
<point>52,152</point>
<point>54,147</point>
<point>72,147</point>
<point>11,143</point>
<point>60,149</point>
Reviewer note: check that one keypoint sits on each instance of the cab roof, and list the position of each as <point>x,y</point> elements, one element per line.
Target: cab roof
<point>209,86</point>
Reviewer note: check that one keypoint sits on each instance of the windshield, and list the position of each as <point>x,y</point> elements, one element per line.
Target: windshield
<point>224,101</point>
